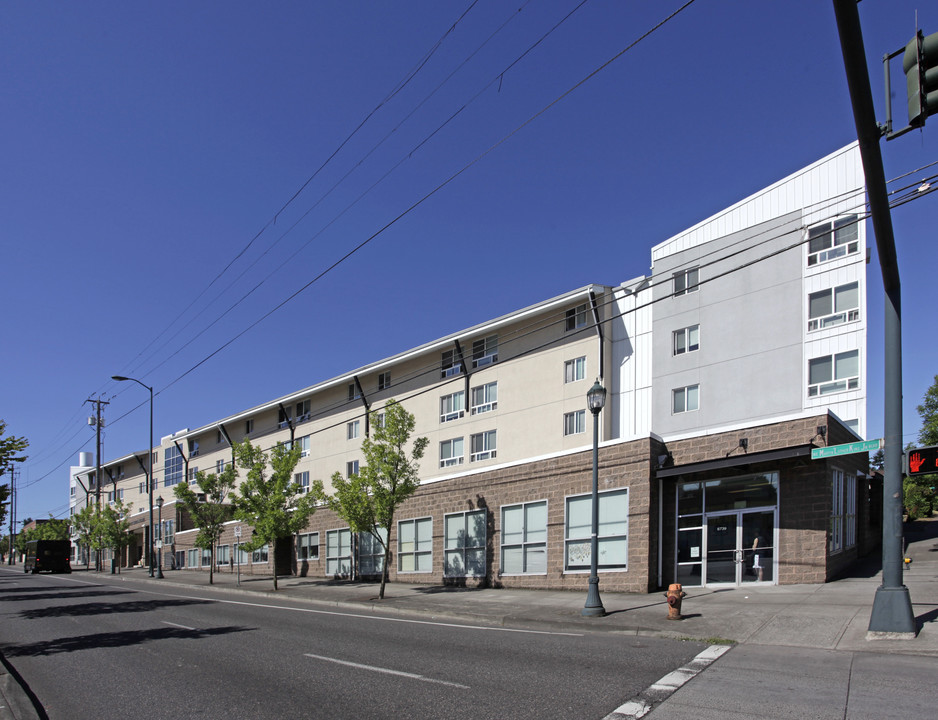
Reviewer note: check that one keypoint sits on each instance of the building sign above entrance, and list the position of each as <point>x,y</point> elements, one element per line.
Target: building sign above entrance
<point>867,446</point>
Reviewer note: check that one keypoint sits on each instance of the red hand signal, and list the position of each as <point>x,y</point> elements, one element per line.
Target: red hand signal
<point>916,461</point>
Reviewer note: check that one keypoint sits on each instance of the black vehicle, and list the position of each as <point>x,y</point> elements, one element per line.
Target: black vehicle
<point>48,556</point>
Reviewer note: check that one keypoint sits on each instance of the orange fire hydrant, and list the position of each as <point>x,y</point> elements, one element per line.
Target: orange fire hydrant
<point>674,595</point>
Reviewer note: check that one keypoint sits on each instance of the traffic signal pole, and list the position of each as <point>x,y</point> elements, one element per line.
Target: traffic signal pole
<point>892,615</point>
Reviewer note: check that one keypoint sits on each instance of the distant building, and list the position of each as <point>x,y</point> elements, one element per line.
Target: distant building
<point>742,350</point>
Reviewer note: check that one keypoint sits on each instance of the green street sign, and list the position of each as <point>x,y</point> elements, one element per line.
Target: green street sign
<point>866,446</point>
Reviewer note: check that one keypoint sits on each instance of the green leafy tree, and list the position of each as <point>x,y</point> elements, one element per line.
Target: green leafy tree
<point>4,547</point>
<point>272,502</point>
<point>86,525</point>
<point>211,514</point>
<point>11,451</point>
<point>369,500</point>
<point>51,530</point>
<point>115,528</point>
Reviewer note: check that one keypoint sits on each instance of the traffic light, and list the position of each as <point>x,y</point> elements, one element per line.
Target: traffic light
<point>920,64</point>
<point>923,461</point>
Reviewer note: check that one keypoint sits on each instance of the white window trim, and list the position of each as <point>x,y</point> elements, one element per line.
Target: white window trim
<point>850,382</point>
<point>308,545</point>
<point>524,544</point>
<point>452,460</point>
<point>454,414</point>
<point>685,390</point>
<point>587,538</point>
<point>685,276</point>
<point>425,553</point>
<point>338,558</point>
<point>837,512</point>
<point>685,334</point>
<point>489,452</point>
<point>577,370</point>
<point>579,422</point>
<point>836,316</point>
<point>487,406</point>
<point>448,550</point>
<point>835,250</point>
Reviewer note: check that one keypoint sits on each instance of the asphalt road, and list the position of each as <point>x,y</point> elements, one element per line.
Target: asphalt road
<point>93,648</point>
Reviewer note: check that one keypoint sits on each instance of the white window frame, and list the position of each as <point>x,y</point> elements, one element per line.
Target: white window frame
<point>488,446</point>
<point>353,393</point>
<point>249,426</point>
<point>837,511</point>
<point>338,551</point>
<point>220,466</point>
<point>415,556</point>
<point>683,397</point>
<point>460,558</point>
<point>384,380</point>
<point>260,555</point>
<point>488,394</point>
<point>449,364</point>
<point>371,553</point>
<point>243,556</point>
<point>532,541</point>
<point>352,430</point>
<point>686,281</point>
<point>452,406</point>
<point>576,318</point>
<point>302,479</point>
<point>485,351</point>
<point>577,545</point>
<point>351,468</point>
<point>838,315</point>
<point>302,411</point>
<point>307,546</point>
<point>574,370</point>
<point>842,239</point>
<point>304,446</point>
<point>686,340</point>
<point>450,447</point>
<point>850,511</point>
<point>222,554</point>
<point>836,383</point>
<point>192,558</point>
<point>574,423</point>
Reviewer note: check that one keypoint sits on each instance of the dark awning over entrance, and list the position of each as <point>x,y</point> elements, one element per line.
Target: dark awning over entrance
<point>736,461</point>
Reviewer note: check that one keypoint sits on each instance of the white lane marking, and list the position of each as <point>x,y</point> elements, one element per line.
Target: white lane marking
<point>184,627</point>
<point>340,614</point>
<point>657,693</point>
<point>386,671</point>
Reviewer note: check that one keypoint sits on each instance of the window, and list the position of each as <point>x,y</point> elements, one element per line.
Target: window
<point>834,306</point>
<point>484,398</point>
<point>193,475</point>
<point>524,539</point>
<point>192,558</point>
<point>451,452</point>
<point>248,426</point>
<point>449,364</point>
<point>302,479</point>
<point>220,466</point>
<point>482,446</point>
<point>834,373</point>
<point>352,429</point>
<point>168,528</point>
<point>283,418</point>
<point>302,411</point>
<point>574,370</point>
<point>837,511</point>
<point>574,423</point>
<point>303,442</point>
<point>830,241</point>
<point>612,532</point>
<point>485,351</point>
<point>464,544</point>
<point>259,555</point>
<point>686,281</point>
<point>380,419</point>
<point>206,557</point>
<point>351,468</point>
<point>307,546</point>
<point>371,552</point>
<point>353,393</point>
<point>222,554</point>
<point>218,437</point>
<point>339,552</point>
<point>685,399</point>
<point>576,317</point>
<point>687,340</point>
<point>193,448</point>
<point>244,557</point>
<point>452,406</point>
<point>850,511</point>
<point>173,468</point>
<point>384,380</point>
<point>415,545</point>
<point>142,488</point>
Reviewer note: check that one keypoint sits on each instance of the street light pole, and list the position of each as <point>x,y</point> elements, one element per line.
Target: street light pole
<point>595,399</point>
<point>121,378</point>
<point>159,546</point>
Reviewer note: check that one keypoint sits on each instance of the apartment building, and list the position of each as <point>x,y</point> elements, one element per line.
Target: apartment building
<point>742,350</point>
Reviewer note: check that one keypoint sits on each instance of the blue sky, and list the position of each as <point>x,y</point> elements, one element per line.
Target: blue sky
<point>147,144</point>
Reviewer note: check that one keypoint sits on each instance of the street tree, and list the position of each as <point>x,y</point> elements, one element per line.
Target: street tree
<point>211,513</point>
<point>369,500</point>
<point>52,529</point>
<point>11,451</point>
<point>86,525</point>
<point>269,499</point>
<point>115,528</point>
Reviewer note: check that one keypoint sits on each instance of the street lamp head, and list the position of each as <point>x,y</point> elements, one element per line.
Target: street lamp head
<point>596,397</point>
<point>159,502</point>
<point>119,378</point>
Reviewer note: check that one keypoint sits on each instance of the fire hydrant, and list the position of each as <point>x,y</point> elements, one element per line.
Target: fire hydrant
<point>674,595</point>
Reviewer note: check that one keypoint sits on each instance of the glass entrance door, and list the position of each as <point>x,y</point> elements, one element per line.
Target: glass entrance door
<point>740,547</point>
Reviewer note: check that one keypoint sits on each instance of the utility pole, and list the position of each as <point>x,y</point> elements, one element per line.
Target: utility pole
<point>12,536</point>
<point>98,423</point>
<point>892,615</point>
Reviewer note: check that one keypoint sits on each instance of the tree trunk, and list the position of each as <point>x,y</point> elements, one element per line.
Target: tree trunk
<point>211,567</point>
<point>384,570</point>
<point>273,546</point>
